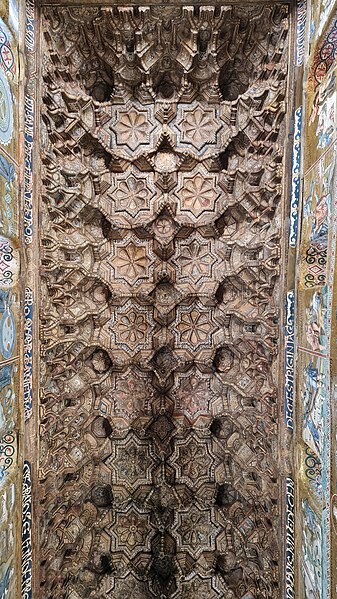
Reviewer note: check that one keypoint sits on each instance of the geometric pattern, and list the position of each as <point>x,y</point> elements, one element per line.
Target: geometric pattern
<point>162,155</point>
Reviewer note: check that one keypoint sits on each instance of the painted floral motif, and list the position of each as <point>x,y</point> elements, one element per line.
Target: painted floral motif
<point>132,462</point>
<point>195,529</point>
<point>162,428</point>
<point>6,111</point>
<point>193,461</point>
<point>194,327</point>
<point>132,195</point>
<point>198,194</point>
<point>132,530</point>
<point>130,262</point>
<point>7,60</point>
<point>130,394</point>
<point>324,54</point>
<point>133,128</point>
<point>193,394</point>
<point>7,451</point>
<point>313,472</point>
<point>317,220</point>
<point>195,260</point>
<point>199,126</point>
<point>163,228</point>
<point>8,263</point>
<point>132,328</point>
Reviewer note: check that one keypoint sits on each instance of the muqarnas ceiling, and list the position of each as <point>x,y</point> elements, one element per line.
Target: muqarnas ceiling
<point>162,133</point>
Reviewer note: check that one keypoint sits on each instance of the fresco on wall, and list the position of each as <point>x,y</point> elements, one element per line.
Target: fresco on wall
<point>315,274</point>
<point>9,389</point>
<point>313,402</point>
<point>9,205</point>
<point>313,472</point>
<point>321,111</point>
<point>313,320</point>
<point>322,54</point>
<point>7,540</point>
<point>312,542</point>
<point>321,11</point>
<point>10,409</point>
<point>316,220</point>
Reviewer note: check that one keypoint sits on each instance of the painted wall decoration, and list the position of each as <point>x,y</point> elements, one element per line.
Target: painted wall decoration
<point>301,18</point>
<point>6,110</point>
<point>28,173</point>
<point>7,57</point>
<point>290,540</point>
<point>289,360</point>
<point>10,372</point>
<point>323,54</point>
<point>26,548</point>
<point>316,313</point>
<point>29,119</point>
<point>295,178</point>
<point>9,385</point>
<point>28,353</point>
<point>28,299</point>
<point>9,205</point>
<point>312,552</point>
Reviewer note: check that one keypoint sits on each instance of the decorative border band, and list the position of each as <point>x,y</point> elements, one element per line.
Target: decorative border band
<point>295,178</point>
<point>30,26</point>
<point>300,31</point>
<point>27,223</point>
<point>29,122</point>
<point>28,353</point>
<point>290,539</point>
<point>26,556</point>
<point>28,176</point>
<point>289,361</point>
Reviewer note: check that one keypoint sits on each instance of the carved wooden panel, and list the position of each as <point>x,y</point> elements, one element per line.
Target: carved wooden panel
<point>162,133</point>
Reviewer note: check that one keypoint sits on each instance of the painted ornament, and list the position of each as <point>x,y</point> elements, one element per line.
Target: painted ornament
<point>6,111</point>
<point>8,263</point>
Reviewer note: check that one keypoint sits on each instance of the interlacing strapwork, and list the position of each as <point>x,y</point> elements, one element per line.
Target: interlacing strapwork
<point>162,132</point>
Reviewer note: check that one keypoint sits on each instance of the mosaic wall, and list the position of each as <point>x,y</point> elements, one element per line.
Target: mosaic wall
<point>315,318</point>
<point>10,413</point>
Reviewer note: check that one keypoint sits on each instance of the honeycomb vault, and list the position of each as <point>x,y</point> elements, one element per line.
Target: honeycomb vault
<point>162,133</point>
